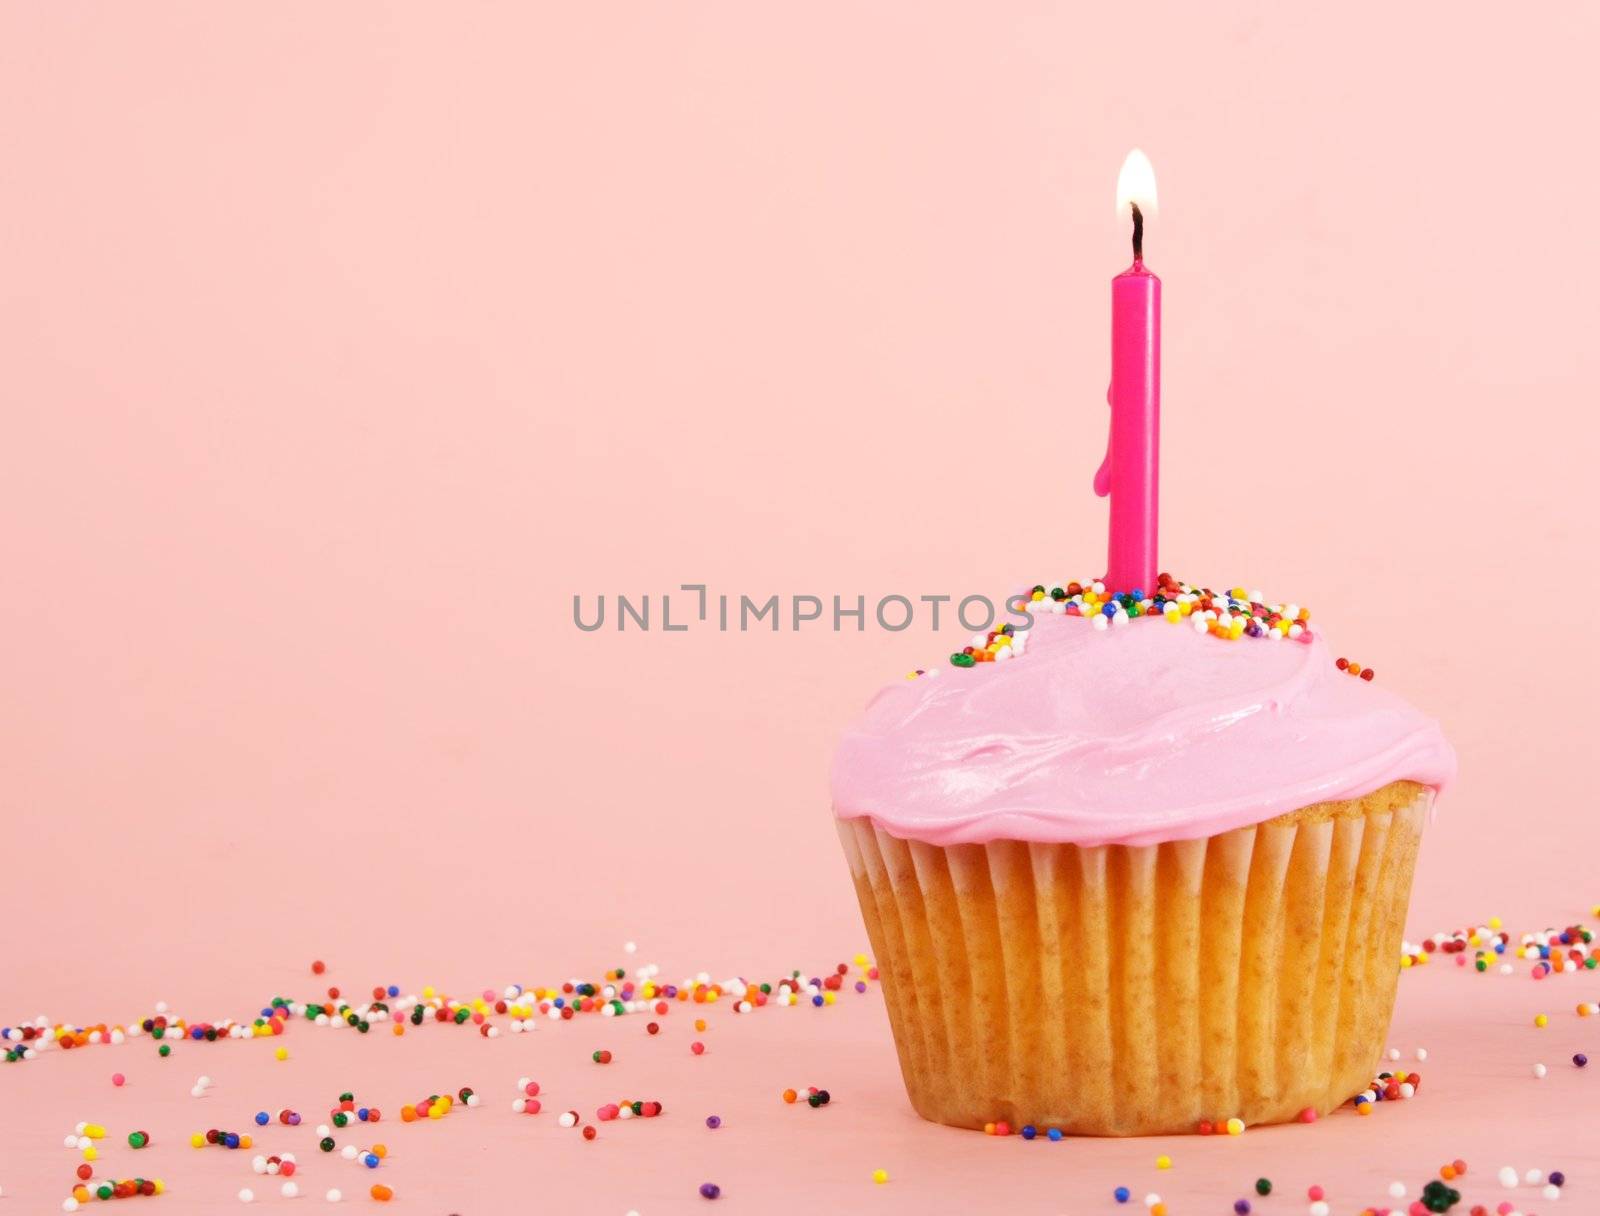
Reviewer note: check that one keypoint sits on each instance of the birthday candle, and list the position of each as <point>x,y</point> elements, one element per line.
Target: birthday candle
<point>1131,471</point>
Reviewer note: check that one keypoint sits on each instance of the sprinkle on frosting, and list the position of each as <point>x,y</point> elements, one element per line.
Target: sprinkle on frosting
<point>1229,615</point>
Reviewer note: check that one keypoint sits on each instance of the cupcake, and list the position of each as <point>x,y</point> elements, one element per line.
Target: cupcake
<point>1133,867</point>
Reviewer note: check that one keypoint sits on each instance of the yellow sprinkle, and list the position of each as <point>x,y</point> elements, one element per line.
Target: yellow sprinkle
<point>1163,1162</point>
<point>880,1176</point>
<point>1235,1127</point>
<point>283,1052</point>
<point>1540,1020</point>
<point>1494,921</point>
<point>860,960</point>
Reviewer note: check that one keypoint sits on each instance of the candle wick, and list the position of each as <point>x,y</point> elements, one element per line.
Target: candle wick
<point>1138,233</point>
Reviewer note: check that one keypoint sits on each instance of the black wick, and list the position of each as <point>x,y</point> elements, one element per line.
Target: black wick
<point>1138,233</point>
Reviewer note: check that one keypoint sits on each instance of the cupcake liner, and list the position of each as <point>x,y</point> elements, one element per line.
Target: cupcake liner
<point>1119,990</point>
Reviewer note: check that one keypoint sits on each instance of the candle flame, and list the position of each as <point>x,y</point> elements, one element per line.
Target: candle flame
<point>1136,184</point>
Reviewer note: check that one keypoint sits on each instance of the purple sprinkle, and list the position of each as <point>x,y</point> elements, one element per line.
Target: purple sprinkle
<point>713,1121</point>
<point>1557,1178</point>
<point>1241,1206</point>
<point>710,1190</point>
<point>1580,1060</point>
<point>861,986</point>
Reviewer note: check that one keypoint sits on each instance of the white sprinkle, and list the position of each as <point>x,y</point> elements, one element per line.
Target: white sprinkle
<point>1422,1053</point>
<point>247,1196</point>
<point>1539,1070</point>
<point>1394,1053</point>
<point>1320,1208</point>
<point>1508,1176</point>
<point>334,1196</point>
<point>630,947</point>
<point>1533,1177</point>
<point>1551,1192</point>
<point>1397,1190</point>
<point>291,1190</point>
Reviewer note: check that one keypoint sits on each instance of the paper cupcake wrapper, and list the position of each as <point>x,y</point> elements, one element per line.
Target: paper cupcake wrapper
<point>1117,990</point>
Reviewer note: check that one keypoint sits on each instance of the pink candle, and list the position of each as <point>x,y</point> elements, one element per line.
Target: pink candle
<point>1131,472</point>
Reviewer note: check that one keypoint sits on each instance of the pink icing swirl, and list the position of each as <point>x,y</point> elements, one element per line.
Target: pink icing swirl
<point>1136,736</point>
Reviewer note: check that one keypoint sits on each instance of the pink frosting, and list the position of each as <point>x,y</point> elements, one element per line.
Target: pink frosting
<point>1138,735</point>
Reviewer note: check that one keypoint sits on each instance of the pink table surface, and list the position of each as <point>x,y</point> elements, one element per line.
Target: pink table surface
<point>1479,1101</point>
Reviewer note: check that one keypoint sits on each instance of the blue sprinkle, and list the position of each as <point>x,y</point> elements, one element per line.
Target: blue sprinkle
<point>817,1000</point>
<point>1121,1194</point>
<point>394,989</point>
<point>1055,1133</point>
<point>262,1118</point>
<point>1029,1132</point>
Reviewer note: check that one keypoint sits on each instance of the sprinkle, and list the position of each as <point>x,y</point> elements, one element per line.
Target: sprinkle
<point>1121,1194</point>
<point>1539,1070</point>
<point>1508,1177</point>
<point>1235,1127</point>
<point>710,1190</point>
<point>1163,1162</point>
<point>1580,1060</point>
<point>880,1176</point>
<point>713,1121</point>
<point>334,1195</point>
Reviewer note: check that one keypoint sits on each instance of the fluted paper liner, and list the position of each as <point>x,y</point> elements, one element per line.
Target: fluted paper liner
<point>1118,990</point>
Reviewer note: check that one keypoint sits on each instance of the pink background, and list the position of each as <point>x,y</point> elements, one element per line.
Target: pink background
<point>340,346</point>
